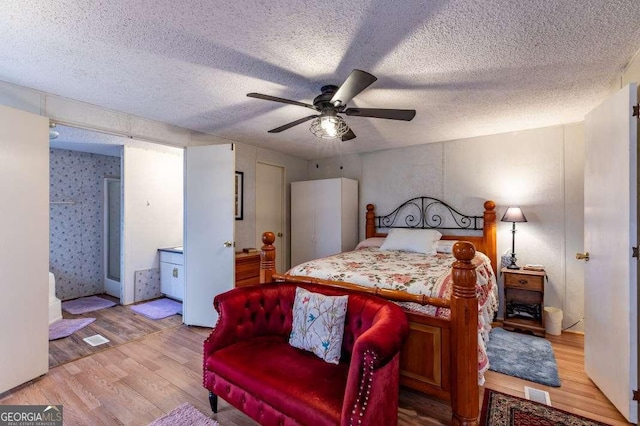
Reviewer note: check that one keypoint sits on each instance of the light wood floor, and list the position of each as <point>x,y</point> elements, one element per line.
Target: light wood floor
<point>577,393</point>
<point>119,324</point>
<point>137,382</point>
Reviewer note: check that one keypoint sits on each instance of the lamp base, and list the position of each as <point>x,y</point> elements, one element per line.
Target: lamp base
<point>513,265</point>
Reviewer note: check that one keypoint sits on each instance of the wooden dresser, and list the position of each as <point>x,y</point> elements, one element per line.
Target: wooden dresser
<point>247,269</point>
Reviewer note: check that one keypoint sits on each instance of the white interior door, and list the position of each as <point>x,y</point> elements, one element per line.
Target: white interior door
<point>610,230</point>
<point>209,227</point>
<point>24,252</point>
<point>270,181</point>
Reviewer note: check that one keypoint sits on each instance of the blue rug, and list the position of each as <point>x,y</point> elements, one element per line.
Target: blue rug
<point>524,356</point>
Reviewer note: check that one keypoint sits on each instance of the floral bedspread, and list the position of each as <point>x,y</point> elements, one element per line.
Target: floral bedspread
<point>414,273</point>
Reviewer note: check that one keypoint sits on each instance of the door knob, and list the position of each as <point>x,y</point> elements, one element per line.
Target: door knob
<point>583,256</point>
<point>227,244</point>
<point>279,234</point>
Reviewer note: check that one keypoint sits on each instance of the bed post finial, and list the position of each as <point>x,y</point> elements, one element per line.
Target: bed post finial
<point>489,233</point>
<point>370,228</point>
<point>267,257</point>
<point>464,337</point>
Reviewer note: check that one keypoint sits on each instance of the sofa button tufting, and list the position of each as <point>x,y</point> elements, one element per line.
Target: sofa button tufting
<point>254,316</point>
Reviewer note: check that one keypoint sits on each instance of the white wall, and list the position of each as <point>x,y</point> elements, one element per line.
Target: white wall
<point>540,170</point>
<point>24,251</point>
<point>153,209</point>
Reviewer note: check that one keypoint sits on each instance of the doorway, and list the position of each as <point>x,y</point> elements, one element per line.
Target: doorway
<point>77,173</point>
<point>270,205</point>
<point>112,236</point>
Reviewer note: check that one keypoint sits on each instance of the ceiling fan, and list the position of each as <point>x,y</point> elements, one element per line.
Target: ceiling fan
<point>327,124</point>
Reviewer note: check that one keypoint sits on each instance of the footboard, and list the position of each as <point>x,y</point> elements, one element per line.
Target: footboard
<point>440,356</point>
<point>425,361</point>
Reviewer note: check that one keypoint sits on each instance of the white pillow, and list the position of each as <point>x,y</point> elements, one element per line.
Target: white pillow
<point>370,242</point>
<point>415,240</point>
<point>445,246</point>
<point>318,324</point>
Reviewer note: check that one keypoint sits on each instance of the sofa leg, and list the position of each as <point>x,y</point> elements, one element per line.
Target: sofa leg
<point>213,401</point>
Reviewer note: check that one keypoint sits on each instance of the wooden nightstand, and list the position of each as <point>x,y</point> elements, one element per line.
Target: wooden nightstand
<point>524,300</point>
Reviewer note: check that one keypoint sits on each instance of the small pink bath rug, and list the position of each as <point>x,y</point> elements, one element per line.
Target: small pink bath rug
<point>86,304</point>
<point>158,309</point>
<point>66,327</point>
<point>184,415</point>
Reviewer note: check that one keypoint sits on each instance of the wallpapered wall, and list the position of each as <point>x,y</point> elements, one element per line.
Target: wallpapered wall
<point>75,229</point>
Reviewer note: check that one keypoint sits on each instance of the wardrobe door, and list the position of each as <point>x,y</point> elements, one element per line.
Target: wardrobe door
<point>302,222</point>
<point>328,217</point>
<point>349,214</point>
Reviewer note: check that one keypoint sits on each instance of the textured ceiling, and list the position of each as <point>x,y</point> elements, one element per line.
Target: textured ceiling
<point>94,142</point>
<point>469,68</point>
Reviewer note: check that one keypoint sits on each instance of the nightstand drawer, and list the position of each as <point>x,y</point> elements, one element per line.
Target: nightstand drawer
<point>524,282</point>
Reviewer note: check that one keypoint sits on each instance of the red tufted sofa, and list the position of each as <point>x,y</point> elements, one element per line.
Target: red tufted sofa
<point>249,362</point>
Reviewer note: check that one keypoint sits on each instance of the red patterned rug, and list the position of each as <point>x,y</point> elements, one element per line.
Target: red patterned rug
<point>499,409</point>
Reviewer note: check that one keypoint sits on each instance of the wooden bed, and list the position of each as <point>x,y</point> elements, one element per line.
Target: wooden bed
<point>440,357</point>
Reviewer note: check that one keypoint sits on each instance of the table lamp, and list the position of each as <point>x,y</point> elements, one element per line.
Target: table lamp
<point>513,214</point>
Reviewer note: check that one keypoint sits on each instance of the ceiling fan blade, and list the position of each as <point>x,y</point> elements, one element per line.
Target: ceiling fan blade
<point>293,123</point>
<point>281,100</point>
<point>348,136</point>
<point>391,114</point>
<point>356,82</point>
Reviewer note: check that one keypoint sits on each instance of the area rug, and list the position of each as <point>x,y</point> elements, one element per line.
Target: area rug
<point>158,309</point>
<point>86,304</point>
<point>524,356</point>
<point>66,327</point>
<point>499,409</point>
<point>184,415</point>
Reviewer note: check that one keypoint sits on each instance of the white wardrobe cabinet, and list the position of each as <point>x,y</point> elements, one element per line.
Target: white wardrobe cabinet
<point>324,218</point>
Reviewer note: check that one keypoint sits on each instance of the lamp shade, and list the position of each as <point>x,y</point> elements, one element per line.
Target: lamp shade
<point>513,214</point>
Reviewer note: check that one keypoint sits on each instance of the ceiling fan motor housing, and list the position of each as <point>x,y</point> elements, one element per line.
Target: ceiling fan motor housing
<point>323,101</point>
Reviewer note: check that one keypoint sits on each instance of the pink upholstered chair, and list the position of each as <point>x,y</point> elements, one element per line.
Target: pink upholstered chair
<point>249,363</point>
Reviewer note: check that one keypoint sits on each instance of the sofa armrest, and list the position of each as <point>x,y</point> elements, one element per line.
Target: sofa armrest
<point>384,338</point>
<point>374,370</point>
<point>251,311</point>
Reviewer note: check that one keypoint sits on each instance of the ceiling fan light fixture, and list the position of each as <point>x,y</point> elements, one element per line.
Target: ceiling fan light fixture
<point>329,127</point>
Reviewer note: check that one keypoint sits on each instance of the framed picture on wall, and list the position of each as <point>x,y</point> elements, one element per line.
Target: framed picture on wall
<point>239,194</point>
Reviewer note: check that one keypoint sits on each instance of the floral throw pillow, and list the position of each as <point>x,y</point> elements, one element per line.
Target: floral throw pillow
<point>318,324</point>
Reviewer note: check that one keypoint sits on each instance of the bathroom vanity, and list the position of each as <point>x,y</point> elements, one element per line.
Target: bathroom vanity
<point>172,272</point>
<point>247,271</point>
